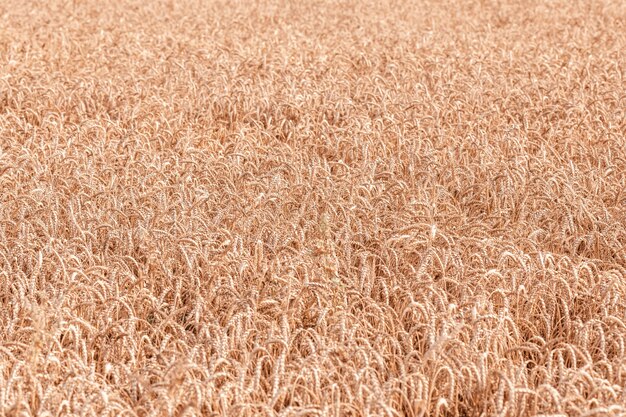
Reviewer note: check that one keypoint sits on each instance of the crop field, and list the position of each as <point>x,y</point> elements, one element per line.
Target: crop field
<point>313,208</point>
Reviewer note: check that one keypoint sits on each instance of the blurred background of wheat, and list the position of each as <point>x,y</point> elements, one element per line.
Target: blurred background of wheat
<point>330,208</point>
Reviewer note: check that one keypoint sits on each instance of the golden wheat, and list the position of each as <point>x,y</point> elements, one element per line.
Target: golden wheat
<point>321,208</point>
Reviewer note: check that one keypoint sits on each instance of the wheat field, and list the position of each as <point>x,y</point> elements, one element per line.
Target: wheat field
<point>313,208</point>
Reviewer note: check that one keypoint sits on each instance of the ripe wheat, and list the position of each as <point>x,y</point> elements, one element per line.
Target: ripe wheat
<point>321,208</point>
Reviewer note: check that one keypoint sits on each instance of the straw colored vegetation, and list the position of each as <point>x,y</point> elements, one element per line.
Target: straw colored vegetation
<point>313,208</point>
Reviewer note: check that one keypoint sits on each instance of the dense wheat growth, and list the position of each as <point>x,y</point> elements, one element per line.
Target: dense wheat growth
<point>313,208</point>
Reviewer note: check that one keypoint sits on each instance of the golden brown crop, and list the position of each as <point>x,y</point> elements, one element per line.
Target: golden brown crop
<point>313,208</point>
